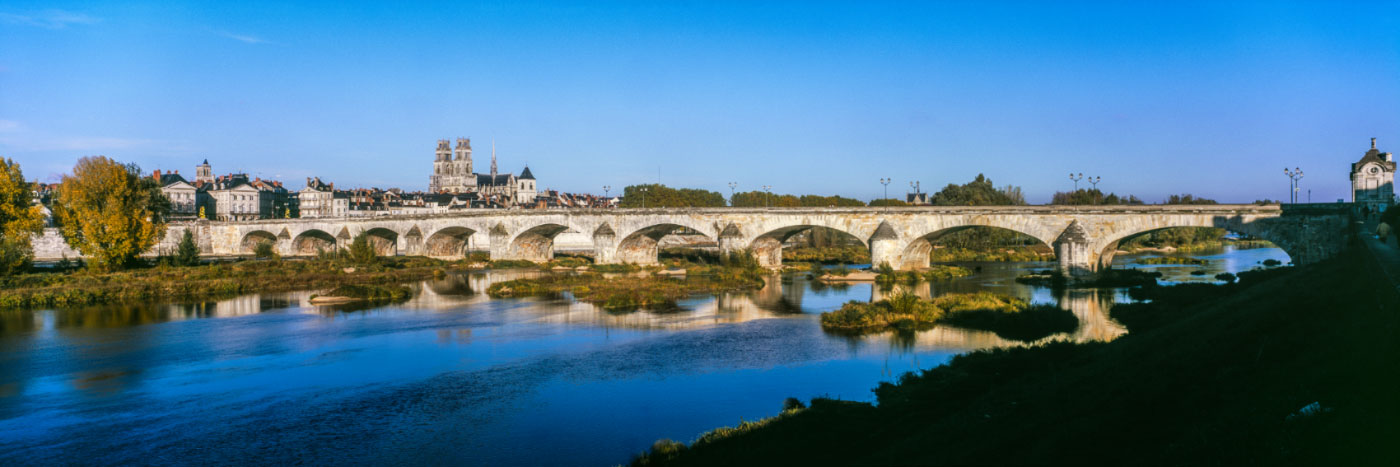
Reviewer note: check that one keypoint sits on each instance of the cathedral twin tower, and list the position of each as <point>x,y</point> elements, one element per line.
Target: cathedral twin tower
<point>452,173</point>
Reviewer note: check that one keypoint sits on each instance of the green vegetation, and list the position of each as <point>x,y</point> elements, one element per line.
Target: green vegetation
<point>979,192</point>
<point>19,218</point>
<point>187,253</point>
<point>828,255</point>
<point>758,199</point>
<point>265,250</point>
<point>88,287</point>
<point>1171,260</point>
<point>109,212</point>
<point>948,254</point>
<point>630,293</point>
<point>938,272</point>
<point>511,264</point>
<point>1091,196</point>
<point>1209,374</point>
<point>362,251</point>
<point>1009,317</point>
<point>662,196</point>
<point>372,293</point>
<point>890,202</point>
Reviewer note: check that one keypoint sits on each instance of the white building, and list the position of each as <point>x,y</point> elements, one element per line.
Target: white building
<point>1373,179</point>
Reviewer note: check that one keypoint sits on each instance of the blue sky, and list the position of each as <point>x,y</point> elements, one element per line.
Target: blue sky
<point>1209,98</point>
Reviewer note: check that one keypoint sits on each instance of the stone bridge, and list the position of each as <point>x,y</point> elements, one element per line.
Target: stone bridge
<point>1084,238</point>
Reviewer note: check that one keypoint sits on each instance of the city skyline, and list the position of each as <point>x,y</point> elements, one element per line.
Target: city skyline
<point>808,98</point>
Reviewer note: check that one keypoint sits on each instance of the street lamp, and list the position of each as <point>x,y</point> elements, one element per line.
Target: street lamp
<point>732,186</point>
<point>915,185</point>
<point>1076,179</point>
<point>644,196</point>
<point>606,189</point>
<point>886,183</point>
<point>768,200</point>
<point>1095,181</point>
<point>1293,177</point>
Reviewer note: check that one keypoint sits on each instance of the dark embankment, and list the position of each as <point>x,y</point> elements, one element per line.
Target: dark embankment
<point>1213,377</point>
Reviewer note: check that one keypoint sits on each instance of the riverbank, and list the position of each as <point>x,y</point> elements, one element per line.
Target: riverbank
<point>83,287</point>
<point>1281,368</point>
<point>654,289</point>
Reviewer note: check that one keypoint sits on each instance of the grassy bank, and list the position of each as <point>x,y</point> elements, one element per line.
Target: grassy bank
<point>82,287</point>
<point>1009,317</point>
<point>631,292</point>
<point>938,272</point>
<point>942,254</point>
<point>1209,374</point>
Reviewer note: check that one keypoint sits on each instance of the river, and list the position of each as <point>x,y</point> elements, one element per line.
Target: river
<point>453,376</point>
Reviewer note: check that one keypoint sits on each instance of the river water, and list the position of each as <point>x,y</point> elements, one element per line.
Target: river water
<point>453,376</point>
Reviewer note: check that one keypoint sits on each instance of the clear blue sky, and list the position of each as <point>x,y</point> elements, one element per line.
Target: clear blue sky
<point>1208,98</point>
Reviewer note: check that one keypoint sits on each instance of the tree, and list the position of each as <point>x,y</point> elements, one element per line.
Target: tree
<point>109,212</point>
<point>662,196</point>
<point>1188,199</point>
<point>979,192</point>
<point>1091,196</point>
<point>362,251</point>
<point>187,253</point>
<point>759,199</point>
<point>20,218</point>
<point>887,202</point>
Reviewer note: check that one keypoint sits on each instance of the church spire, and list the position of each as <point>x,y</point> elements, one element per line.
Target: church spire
<point>493,160</point>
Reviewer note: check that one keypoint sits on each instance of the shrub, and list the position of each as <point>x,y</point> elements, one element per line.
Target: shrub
<point>187,253</point>
<point>793,403</point>
<point>1225,276</point>
<point>362,251</point>
<point>264,250</point>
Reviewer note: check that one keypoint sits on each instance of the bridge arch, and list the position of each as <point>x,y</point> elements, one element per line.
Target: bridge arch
<point>917,252</point>
<point>449,242</point>
<point>768,246</point>
<point>312,242</point>
<point>1267,229</point>
<point>535,243</point>
<point>385,241</point>
<point>253,238</point>
<point>643,245</point>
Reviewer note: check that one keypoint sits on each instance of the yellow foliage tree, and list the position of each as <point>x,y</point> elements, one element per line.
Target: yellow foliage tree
<point>109,212</point>
<point>20,218</point>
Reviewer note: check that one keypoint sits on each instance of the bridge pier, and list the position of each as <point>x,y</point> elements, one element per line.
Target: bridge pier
<point>884,248</point>
<point>605,245</point>
<point>1072,251</point>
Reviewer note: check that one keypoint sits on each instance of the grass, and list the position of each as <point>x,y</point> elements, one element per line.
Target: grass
<point>83,287</point>
<point>1006,253</point>
<point>1172,260</point>
<point>1209,374</point>
<point>372,292</point>
<point>935,273</point>
<point>631,293</point>
<point>827,255</point>
<point>1009,317</point>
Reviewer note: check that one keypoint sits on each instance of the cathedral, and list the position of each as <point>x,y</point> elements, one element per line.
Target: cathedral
<point>452,173</point>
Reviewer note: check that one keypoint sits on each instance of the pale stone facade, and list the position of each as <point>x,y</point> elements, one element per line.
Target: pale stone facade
<point>452,173</point>
<point>1373,180</point>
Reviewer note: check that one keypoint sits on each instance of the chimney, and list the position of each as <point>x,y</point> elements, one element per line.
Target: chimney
<point>156,175</point>
<point>1373,143</point>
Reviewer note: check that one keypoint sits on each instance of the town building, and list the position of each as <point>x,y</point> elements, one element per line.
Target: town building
<point>184,196</point>
<point>1373,180</point>
<point>452,173</point>
<point>317,199</point>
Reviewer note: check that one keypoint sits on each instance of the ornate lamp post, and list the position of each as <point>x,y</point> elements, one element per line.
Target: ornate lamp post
<point>886,183</point>
<point>606,198</point>
<point>732,186</point>
<point>1095,181</point>
<point>644,196</point>
<point>768,199</point>
<point>1076,179</point>
<point>1293,177</point>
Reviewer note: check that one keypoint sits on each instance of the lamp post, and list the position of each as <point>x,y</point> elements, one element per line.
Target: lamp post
<point>606,198</point>
<point>1293,177</point>
<point>1095,181</point>
<point>915,185</point>
<point>644,196</point>
<point>768,200</point>
<point>886,183</point>
<point>732,186</point>
<point>1076,179</point>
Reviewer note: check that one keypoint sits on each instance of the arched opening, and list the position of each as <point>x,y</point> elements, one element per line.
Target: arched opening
<point>451,242</point>
<point>769,247</point>
<point>252,239</point>
<point>536,243</point>
<point>974,243</point>
<point>313,242</point>
<point>1198,251</point>
<point>645,245</point>
<point>385,241</point>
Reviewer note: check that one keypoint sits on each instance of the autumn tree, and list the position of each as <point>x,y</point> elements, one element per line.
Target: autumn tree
<point>20,218</point>
<point>109,212</point>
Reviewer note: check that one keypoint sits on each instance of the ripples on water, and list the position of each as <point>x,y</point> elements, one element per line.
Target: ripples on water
<point>452,375</point>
